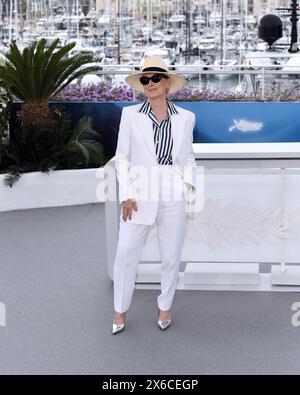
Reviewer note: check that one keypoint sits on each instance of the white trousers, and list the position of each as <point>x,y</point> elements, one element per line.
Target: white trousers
<point>171,222</point>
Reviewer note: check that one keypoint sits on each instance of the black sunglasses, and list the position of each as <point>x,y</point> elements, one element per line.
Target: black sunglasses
<point>155,78</point>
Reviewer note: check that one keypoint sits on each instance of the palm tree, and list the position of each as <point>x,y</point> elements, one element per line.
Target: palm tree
<point>38,73</point>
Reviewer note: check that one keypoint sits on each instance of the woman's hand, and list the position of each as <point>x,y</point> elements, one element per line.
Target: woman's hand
<point>127,206</point>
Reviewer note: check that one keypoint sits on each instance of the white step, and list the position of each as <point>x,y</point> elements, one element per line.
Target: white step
<point>291,275</point>
<point>221,273</point>
<point>148,273</point>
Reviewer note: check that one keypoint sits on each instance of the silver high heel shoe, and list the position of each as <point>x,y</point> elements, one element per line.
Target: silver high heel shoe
<point>163,324</point>
<point>116,328</point>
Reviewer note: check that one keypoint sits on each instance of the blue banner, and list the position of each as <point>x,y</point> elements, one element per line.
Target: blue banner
<point>219,122</point>
<point>216,122</point>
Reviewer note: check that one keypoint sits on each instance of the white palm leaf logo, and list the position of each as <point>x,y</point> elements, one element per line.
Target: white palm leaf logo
<point>246,126</point>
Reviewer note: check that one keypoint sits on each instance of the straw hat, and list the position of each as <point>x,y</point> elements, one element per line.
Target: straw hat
<point>155,64</point>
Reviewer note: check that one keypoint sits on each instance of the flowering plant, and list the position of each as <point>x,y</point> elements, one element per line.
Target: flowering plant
<point>101,92</point>
<point>105,91</point>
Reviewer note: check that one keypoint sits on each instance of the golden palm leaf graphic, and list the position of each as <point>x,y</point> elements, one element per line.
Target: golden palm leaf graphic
<point>218,224</point>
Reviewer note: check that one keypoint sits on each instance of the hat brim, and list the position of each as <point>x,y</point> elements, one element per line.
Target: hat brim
<point>177,81</point>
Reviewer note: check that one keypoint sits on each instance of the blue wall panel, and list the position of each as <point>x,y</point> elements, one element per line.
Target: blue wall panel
<point>216,122</point>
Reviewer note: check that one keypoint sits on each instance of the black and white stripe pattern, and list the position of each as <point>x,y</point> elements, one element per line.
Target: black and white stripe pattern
<point>162,133</point>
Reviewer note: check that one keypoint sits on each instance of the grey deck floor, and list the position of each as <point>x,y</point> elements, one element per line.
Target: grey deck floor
<point>59,303</point>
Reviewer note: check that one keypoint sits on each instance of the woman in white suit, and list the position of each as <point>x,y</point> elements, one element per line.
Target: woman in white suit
<point>153,136</point>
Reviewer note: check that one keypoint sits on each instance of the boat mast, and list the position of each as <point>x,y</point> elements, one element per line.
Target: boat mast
<point>223,31</point>
<point>168,13</point>
<point>149,14</point>
<point>68,13</point>
<point>164,16</point>
<point>77,18</point>
<point>46,14</point>
<point>28,14</point>
<point>215,19</point>
<point>140,12</point>
<point>16,15</point>
<point>258,10</point>
<point>246,19</point>
<point>119,26</point>
<point>189,29</point>
<point>241,38</point>
<point>10,20</point>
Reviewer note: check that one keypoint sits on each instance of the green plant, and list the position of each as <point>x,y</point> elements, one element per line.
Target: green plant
<point>39,73</point>
<point>5,101</point>
<point>52,147</point>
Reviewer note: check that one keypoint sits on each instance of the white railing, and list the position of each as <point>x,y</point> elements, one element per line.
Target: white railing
<point>123,68</point>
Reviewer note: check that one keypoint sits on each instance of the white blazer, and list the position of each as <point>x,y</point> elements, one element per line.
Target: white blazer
<point>136,147</point>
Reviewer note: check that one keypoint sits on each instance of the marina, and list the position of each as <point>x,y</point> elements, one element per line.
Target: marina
<point>205,40</point>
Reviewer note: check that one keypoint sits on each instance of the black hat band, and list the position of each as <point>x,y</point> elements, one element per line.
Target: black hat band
<point>154,69</point>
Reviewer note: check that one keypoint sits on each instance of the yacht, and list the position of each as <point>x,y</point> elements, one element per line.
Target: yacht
<point>138,53</point>
<point>165,53</point>
<point>207,44</point>
<point>177,19</point>
<point>104,20</point>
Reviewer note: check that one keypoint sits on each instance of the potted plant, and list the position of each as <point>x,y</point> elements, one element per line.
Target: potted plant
<point>43,137</point>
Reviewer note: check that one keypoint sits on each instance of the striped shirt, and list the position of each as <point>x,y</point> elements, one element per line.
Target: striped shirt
<point>162,132</point>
